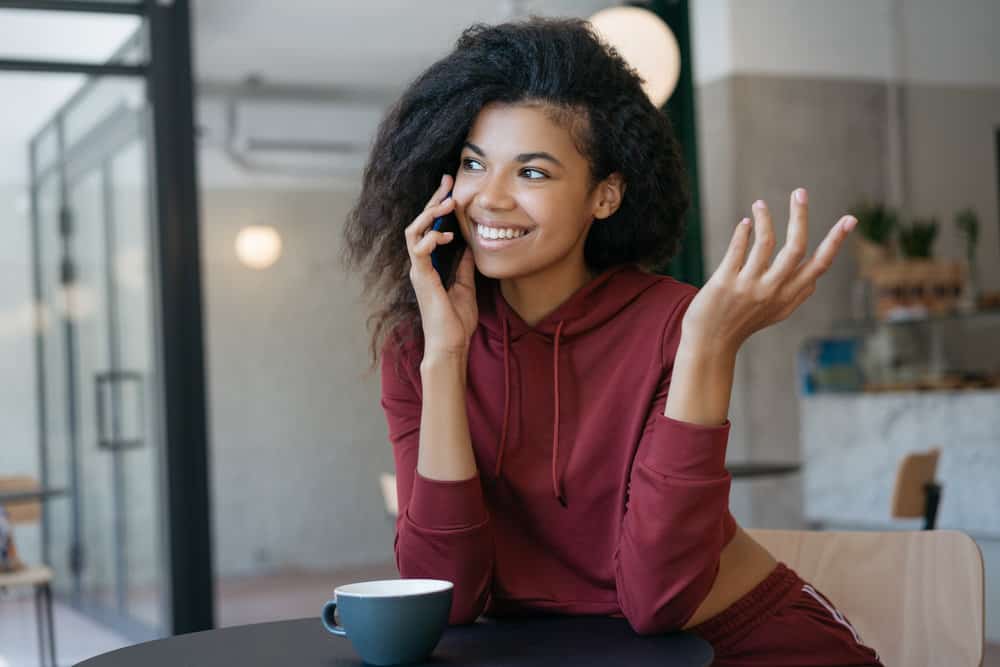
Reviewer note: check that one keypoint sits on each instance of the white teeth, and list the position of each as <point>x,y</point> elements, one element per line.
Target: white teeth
<point>494,233</point>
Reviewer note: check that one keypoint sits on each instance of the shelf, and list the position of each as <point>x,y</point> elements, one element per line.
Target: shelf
<point>975,316</point>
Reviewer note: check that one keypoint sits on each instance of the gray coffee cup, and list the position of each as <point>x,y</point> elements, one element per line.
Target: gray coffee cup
<point>391,621</point>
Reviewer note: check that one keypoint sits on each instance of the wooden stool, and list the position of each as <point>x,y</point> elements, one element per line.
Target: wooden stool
<point>40,577</point>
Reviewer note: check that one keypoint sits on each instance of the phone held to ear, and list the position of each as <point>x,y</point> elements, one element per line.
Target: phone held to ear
<point>445,257</point>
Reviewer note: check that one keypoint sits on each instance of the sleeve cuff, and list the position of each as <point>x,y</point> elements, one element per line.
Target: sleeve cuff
<point>685,449</point>
<point>446,504</point>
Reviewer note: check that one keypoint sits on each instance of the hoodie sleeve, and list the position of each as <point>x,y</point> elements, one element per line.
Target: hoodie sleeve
<point>677,517</point>
<point>442,529</point>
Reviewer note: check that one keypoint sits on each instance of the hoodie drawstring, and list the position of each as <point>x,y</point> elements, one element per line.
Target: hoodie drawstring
<point>556,481</point>
<point>506,396</point>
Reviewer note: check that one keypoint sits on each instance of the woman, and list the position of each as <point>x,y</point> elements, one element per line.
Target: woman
<point>558,415</point>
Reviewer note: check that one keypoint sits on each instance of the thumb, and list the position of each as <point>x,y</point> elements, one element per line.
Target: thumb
<point>465,274</point>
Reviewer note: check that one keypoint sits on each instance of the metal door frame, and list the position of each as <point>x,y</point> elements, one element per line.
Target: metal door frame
<point>177,294</point>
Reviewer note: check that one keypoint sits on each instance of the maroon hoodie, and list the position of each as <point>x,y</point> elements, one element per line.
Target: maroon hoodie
<point>589,500</point>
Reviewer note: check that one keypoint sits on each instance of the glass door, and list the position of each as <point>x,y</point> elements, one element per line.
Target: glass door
<point>122,423</point>
<point>102,417</point>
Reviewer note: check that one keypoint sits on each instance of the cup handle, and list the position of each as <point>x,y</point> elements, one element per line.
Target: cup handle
<point>329,620</point>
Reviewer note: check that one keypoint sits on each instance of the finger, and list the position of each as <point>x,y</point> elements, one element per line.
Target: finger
<point>427,216</point>
<point>763,242</point>
<point>430,241</point>
<point>443,187</point>
<point>737,251</point>
<point>797,301</point>
<point>823,258</point>
<point>796,239</point>
<point>423,222</point>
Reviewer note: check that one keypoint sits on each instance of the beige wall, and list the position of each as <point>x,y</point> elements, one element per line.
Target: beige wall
<point>950,134</point>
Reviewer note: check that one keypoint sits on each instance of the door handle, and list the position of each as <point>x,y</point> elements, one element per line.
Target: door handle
<point>109,406</point>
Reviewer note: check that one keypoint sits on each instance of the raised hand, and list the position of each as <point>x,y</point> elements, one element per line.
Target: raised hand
<point>747,294</point>
<point>448,317</point>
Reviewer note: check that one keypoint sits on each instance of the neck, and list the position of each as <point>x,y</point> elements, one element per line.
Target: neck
<point>534,296</point>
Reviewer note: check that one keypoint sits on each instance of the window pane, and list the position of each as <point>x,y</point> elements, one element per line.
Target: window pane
<point>72,36</point>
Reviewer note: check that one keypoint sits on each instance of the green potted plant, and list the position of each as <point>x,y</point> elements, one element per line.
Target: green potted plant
<point>873,240</point>
<point>917,240</point>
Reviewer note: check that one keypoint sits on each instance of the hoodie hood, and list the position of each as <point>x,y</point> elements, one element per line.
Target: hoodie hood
<point>588,308</point>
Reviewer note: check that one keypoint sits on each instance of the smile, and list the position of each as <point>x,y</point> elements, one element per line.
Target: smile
<point>494,233</point>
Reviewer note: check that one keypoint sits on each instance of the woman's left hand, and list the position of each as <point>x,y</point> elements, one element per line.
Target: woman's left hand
<point>742,298</point>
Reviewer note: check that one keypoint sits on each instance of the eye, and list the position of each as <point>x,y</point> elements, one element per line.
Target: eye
<point>466,162</point>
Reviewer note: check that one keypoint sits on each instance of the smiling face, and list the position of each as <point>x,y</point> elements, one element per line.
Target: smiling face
<point>521,174</point>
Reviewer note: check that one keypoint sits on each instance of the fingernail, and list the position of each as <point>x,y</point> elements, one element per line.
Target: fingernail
<point>745,221</point>
<point>759,203</point>
<point>801,195</point>
<point>849,223</point>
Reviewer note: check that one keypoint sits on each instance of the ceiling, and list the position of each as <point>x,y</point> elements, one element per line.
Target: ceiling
<point>377,44</point>
<point>382,43</point>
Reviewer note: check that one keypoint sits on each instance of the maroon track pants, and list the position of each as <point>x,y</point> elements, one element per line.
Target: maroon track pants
<point>784,621</point>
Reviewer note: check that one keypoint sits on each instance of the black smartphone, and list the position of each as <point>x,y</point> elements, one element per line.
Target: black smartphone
<point>445,257</point>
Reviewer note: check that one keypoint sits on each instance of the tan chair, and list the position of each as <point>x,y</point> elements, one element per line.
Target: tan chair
<point>387,482</point>
<point>915,493</point>
<point>916,597</point>
<point>38,576</point>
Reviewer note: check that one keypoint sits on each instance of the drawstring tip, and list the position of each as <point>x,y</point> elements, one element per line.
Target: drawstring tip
<point>562,501</point>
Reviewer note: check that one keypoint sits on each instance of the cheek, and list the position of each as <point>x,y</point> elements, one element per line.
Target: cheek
<point>463,196</point>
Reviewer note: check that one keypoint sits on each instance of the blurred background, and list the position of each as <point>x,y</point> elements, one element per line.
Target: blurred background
<point>189,428</point>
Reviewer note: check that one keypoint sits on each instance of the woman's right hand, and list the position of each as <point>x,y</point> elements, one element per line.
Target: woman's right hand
<point>448,317</point>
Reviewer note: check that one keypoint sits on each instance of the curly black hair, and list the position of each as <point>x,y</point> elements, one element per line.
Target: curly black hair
<point>583,84</point>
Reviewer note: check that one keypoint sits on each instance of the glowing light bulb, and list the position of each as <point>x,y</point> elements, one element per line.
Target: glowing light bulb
<point>258,246</point>
<point>646,43</point>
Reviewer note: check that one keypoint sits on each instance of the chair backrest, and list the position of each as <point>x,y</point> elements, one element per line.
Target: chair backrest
<point>27,512</point>
<point>916,597</point>
<point>388,483</point>
<point>914,472</point>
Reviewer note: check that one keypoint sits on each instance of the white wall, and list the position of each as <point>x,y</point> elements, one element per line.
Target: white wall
<point>298,437</point>
<point>19,446</point>
<point>940,42</point>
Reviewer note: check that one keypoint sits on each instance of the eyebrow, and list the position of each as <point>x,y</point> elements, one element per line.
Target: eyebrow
<point>521,157</point>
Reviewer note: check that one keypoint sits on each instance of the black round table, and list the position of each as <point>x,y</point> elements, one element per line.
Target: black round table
<point>581,641</point>
<point>755,469</point>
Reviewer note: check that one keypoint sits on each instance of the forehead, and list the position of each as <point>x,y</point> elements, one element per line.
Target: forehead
<point>503,131</point>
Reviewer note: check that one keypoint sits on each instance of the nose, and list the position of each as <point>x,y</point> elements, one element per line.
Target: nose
<point>492,194</point>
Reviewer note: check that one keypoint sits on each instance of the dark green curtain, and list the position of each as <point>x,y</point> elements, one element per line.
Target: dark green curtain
<point>689,265</point>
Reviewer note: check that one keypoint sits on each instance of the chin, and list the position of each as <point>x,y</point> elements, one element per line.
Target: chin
<point>502,270</point>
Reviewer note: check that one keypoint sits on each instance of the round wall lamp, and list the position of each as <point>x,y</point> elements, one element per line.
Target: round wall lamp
<point>258,246</point>
<point>646,43</point>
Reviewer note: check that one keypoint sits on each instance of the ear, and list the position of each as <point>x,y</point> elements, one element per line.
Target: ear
<point>608,195</point>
